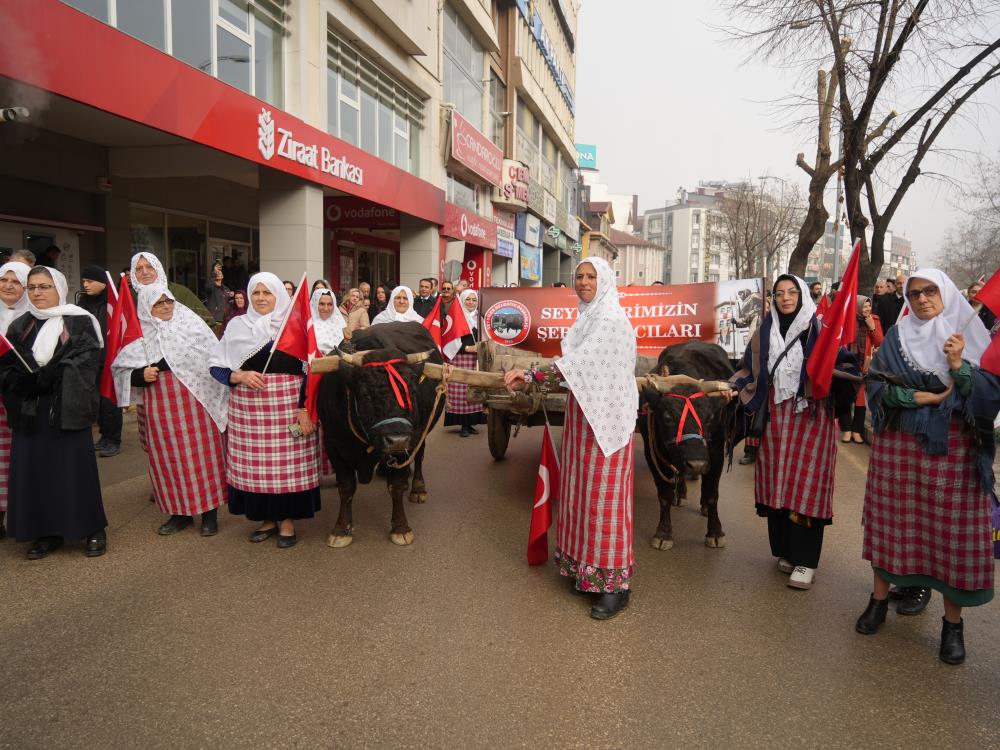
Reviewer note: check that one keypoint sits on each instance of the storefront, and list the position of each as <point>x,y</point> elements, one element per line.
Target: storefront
<point>473,238</point>
<point>529,236</point>
<point>363,239</point>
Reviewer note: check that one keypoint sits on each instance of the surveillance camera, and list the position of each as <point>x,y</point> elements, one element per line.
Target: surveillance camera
<point>14,114</point>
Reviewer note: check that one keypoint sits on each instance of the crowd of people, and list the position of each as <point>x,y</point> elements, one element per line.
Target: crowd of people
<point>221,414</point>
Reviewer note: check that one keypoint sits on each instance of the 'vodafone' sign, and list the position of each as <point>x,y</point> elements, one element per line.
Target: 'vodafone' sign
<point>461,224</point>
<point>345,212</point>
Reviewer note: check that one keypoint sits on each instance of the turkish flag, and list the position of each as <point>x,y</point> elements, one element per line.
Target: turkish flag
<point>297,338</point>
<point>5,345</point>
<point>822,306</point>
<point>455,327</point>
<point>433,322</point>
<point>990,361</point>
<point>989,295</point>
<point>840,326</point>
<point>546,493</point>
<point>123,329</point>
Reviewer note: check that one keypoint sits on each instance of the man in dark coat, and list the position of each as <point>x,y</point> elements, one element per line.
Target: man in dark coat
<point>425,299</point>
<point>890,305</point>
<point>94,299</point>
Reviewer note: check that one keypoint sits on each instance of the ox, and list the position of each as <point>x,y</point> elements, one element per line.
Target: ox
<point>684,433</point>
<point>376,409</point>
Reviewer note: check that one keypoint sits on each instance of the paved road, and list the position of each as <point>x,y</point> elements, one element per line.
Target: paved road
<point>455,642</point>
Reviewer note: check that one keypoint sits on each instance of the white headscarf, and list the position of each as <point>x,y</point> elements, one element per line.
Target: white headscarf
<point>161,275</point>
<point>923,340</point>
<point>389,314</point>
<point>329,332</point>
<point>48,335</point>
<point>472,318</point>
<point>248,334</point>
<point>185,341</point>
<point>598,362</point>
<point>789,371</point>
<point>8,314</point>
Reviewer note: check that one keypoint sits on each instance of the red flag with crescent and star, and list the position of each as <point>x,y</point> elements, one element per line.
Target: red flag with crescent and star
<point>546,493</point>
<point>839,329</point>
<point>432,322</point>
<point>123,329</point>
<point>297,339</point>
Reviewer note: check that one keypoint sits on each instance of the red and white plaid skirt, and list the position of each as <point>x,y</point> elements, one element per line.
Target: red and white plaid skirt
<point>5,440</point>
<point>140,422</point>
<point>262,455</point>
<point>186,466</point>
<point>797,460</point>
<point>928,515</point>
<point>594,513</point>
<point>458,401</point>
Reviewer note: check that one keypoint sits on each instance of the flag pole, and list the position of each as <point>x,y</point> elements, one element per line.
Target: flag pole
<point>17,354</point>
<point>281,328</point>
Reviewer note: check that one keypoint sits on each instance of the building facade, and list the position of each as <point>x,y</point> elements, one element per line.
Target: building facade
<point>688,229</point>
<point>639,261</point>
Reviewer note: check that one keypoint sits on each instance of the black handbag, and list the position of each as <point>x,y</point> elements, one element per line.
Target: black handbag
<point>758,420</point>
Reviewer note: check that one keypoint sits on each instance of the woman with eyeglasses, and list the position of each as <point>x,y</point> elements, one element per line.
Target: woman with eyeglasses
<point>55,490</point>
<point>797,457</point>
<point>930,477</point>
<point>186,409</point>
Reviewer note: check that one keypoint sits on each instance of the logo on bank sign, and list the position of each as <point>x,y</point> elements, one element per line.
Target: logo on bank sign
<point>265,134</point>
<point>508,322</point>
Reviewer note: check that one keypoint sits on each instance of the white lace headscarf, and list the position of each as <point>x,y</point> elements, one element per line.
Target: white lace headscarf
<point>48,335</point>
<point>923,340</point>
<point>389,314</point>
<point>248,334</point>
<point>8,314</point>
<point>472,318</point>
<point>161,275</point>
<point>788,373</point>
<point>598,362</point>
<point>329,332</point>
<point>185,341</point>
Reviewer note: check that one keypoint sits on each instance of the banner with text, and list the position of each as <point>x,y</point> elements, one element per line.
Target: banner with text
<point>537,318</point>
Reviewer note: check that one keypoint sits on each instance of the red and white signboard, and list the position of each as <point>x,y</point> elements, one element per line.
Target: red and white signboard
<point>461,224</point>
<point>355,213</point>
<point>475,151</point>
<point>512,193</point>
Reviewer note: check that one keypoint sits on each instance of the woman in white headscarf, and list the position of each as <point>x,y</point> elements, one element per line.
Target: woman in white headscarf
<point>272,447</point>
<point>186,409</point>
<point>930,477</point>
<point>594,515</point>
<point>147,269</point>
<point>459,411</point>
<point>55,490</point>
<point>13,304</point>
<point>400,308</point>
<point>328,323</point>
<point>797,457</point>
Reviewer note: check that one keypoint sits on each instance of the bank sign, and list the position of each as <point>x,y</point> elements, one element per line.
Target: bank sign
<point>275,141</point>
<point>586,156</point>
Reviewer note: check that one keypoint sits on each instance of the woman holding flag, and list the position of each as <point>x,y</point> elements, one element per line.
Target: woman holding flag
<point>594,512</point>
<point>459,411</point>
<point>797,457</point>
<point>186,409</point>
<point>272,447</point>
<point>49,383</point>
<point>927,502</point>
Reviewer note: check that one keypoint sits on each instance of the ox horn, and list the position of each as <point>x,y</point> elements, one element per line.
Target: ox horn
<point>325,364</point>
<point>416,359</point>
<point>356,359</point>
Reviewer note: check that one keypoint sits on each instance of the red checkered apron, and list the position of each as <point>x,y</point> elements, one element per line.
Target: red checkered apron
<point>5,441</point>
<point>797,460</point>
<point>261,454</point>
<point>458,401</point>
<point>928,515</point>
<point>185,449</point>
<point>140,421</point>
<point>594,513</point>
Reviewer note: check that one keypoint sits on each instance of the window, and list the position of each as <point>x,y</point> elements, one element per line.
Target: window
<point>655,224</point>
<point>144,20</point>
<point>232,59</point>
<point>498,103</point>
<point>464,66</point>
<point>96,8</point>
<point>191,32</point>
<point>462,193</point>
<point>368,108</point>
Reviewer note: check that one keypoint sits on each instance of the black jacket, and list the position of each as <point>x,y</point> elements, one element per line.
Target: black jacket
<point>96,305</point>
<point>69,378</point>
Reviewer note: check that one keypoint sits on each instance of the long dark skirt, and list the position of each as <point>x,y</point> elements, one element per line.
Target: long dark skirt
<point>262,506</point>
<point>55,489</point>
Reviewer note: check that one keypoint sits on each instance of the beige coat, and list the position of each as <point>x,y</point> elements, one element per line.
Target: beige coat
<point>356,319</point>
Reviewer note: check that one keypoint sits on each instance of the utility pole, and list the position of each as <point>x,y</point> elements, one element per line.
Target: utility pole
<point>836,219</point>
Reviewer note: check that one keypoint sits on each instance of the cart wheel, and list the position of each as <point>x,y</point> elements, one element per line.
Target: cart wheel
<point>498,434</point>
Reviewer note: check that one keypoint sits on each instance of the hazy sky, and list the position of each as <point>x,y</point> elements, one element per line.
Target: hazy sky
<point>669,103</point>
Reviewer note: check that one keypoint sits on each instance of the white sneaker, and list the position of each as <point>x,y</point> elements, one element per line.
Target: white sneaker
<point>784,566</point>
<point>802,577</point>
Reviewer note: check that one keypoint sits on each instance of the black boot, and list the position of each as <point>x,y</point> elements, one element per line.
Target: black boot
<point>574,590</point>
<point>210,522</point>
<point>749,455</point>
<point>609,605</point>
<point>43,546</point>
<point>914,602</point>
<point>97,544</point>
<point>174,524</point>
<point>952,642</point>
<point>873,616</point>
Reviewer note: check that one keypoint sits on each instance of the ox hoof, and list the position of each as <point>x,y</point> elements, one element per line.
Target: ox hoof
<point>418,497</point>
<point>679,501</point>
<point>338,540</point>
<point>662,544</point>
<point>401,539</point>
<point>715,542</point>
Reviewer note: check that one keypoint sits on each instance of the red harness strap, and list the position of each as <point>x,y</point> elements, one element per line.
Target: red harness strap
<point>394,378</point>
<point>688,409</point>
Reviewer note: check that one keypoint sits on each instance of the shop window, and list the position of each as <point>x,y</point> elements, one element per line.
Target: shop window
<point>464,65</point>
<point>191,32</point>
<point>187,246</point>
<point>144,20</point>
<point>462,193</point>
<point>96,8</point>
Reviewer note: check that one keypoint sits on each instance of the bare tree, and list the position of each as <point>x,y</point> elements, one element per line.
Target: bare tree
<point>925,60</point>
<point>972,247</point>
<point>757,225</point>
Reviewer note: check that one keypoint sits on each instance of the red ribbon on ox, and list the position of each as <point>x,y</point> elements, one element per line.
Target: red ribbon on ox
<point>395,377</point>
<point>688,409</point>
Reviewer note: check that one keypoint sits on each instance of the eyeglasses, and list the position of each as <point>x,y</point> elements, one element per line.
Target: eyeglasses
<point>930,292</point>
<point>789,293</point>
<point>164,302</point>
<point>40,287</point>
